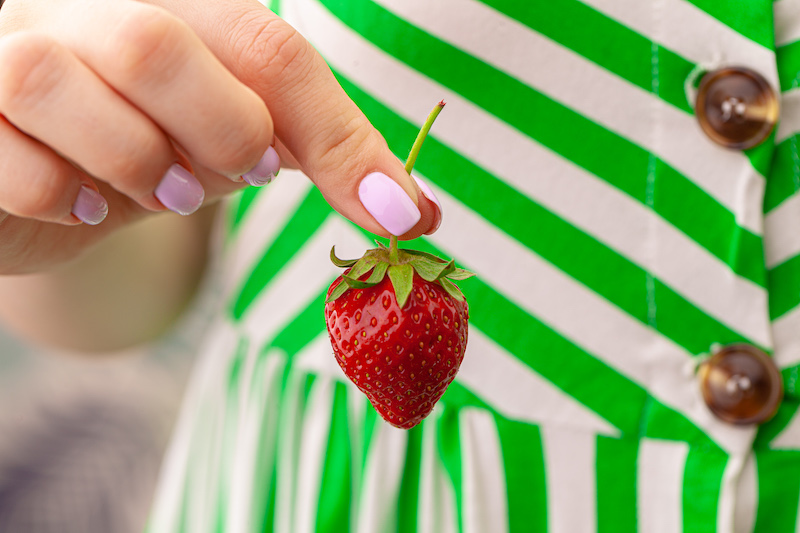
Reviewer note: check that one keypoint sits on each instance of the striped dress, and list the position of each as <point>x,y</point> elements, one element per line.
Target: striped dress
<point>615,245</point>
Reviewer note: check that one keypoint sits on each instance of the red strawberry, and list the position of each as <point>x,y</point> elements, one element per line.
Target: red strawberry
<point>401,340</point>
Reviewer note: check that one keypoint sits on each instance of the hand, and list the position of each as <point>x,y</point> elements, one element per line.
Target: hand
<point>147,106</point>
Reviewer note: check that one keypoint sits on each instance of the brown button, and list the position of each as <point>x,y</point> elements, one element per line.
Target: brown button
<point>736,107</point>
<point>741,385</point>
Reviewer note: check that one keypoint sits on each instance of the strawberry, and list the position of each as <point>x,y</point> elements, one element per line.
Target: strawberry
<point>398,324</point>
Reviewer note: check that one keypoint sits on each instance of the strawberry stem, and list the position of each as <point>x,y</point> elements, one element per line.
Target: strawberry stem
<point>412,156</point>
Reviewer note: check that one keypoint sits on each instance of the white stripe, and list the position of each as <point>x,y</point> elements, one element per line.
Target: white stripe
<point>384,472</point>
<point>789,438</point>
<point>484,482</point>
<point>300,280</point>
<point>314,442</point>
<point>571,480</point>
<point>356,411</point>
<point>317,358</point>
<point>746,497</point>
<point>660,486</point>
<point>288,437</point>
<point>616,104</point>
<point>726,508</point>
<point>588,320</point>
<point>254,458</point>
<point>184,444</point>
<point>781,235</point>
<point>437,508</point>
<point>559,185</point>
<point>691,32</point>
<point>787,21</point>
<point>790,115</point>
<point>267,215</point>
<point>517,392</point>
<point>787,341</point>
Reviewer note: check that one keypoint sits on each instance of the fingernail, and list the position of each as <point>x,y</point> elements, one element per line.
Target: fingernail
<point>428,192</point>
<point>90,207</point>
<point>180,191</point>
<point>386,200</point>
<point>266,170</point>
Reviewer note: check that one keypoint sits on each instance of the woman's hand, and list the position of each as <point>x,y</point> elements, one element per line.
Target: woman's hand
<point>140,107</point>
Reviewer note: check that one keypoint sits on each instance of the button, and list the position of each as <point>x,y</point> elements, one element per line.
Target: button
<point>736,107</point>
<point>741,385</point>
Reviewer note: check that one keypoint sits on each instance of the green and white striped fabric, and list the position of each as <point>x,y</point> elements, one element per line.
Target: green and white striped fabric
<point>615,246</point>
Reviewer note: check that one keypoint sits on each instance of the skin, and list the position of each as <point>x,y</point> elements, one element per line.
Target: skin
<point>109,94</point>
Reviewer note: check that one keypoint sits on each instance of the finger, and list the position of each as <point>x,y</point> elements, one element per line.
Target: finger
<point>48,93</point>
<point>160,65</point>
<point>333,141</point>
<point>37,183</point>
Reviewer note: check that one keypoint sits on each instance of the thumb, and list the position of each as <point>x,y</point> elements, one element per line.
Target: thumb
<point>331,139</point>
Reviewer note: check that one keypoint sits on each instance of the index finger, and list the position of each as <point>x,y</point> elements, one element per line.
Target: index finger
<point>332,140</point>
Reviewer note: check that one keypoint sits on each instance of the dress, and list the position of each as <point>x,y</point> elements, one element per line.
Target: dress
<point>615,245</point>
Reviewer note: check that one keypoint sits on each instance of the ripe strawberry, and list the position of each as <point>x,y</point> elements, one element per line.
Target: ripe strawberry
<point>400,339</point>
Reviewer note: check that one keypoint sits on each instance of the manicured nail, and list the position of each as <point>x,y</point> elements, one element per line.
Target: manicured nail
<point>180,191</point>
<point>428,192</point>
<point>90,207</point>
<point>266,170</point>
<point>386,200</point>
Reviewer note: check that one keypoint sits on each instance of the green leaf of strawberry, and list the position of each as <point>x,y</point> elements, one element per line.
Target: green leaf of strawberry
<point>398,323</point>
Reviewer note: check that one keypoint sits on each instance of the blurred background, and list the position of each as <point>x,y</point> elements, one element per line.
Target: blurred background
<point>81,439</point>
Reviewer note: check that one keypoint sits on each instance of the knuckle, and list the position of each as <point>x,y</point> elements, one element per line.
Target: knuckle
<point>241,147</point>
<point>356,136</point>
<point>270,49</point>
<point>31,70</point>
<point>43,193</point>
<point>132,169</point>
<point>143,42</point>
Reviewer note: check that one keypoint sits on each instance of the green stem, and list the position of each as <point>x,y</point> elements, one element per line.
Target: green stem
<point>412,156</point>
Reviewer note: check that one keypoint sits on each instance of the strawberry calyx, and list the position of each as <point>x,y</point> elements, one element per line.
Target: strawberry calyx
<point>400,265</point>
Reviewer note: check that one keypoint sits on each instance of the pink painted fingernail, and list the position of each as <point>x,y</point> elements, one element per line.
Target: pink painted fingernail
<point>266,170</point>
<point>428,192</point>
<point>386,200</point>
<point>180,191</point>
<point>90,207</point>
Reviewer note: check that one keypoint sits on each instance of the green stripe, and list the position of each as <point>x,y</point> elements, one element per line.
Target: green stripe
<point>266,396</point>
<point>305,222</point>
<point>408,497</point>
<point>784,178</point>
<point>768,431</point>
<point>230,425</point>
<point>791,380</point>
<point>242,202</point>
<point>616,484</point>
<point>788,59</point>
<point>606,42</point>
<point>575,371</point>
<point>702,483</point>
<point>449,446</point>
<point>336,486</point>
<point>569,249</point>
<point>784,287</point>
<point>708,223</point>
<point>526,487</point>
<point>752,18</point>
<point>778,490</point>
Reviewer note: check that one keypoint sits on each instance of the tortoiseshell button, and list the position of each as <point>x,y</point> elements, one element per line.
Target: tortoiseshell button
<point>741,385</point>
<point>736,107</point>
